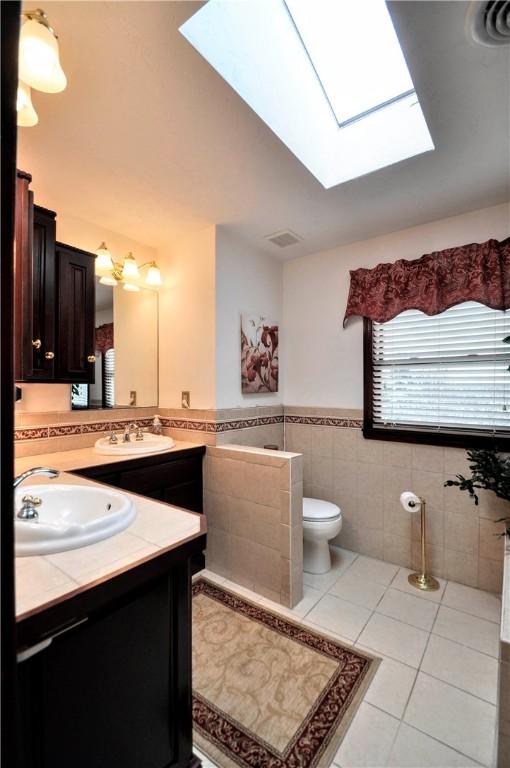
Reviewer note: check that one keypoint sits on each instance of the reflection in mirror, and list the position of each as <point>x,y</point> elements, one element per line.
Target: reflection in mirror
<point>126,367</point>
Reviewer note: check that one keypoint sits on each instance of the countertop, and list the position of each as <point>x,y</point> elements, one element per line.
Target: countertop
<point>157,528</point>
<point>66,461</point>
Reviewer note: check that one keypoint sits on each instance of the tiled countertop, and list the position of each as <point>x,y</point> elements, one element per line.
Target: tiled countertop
<point>67,461</point>
<point>157,528</point>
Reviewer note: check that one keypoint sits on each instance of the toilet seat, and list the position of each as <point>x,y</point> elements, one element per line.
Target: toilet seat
<point>316,510</point>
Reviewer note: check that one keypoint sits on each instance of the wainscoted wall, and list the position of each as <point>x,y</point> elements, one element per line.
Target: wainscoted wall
<point>366,477</point>
<point>253,502</point>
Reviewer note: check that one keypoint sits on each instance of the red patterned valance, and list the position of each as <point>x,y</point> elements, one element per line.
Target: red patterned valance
<point>104,337</point>
<point>476,272</point>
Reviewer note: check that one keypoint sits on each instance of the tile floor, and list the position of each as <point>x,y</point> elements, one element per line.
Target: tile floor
<point>432,701</point>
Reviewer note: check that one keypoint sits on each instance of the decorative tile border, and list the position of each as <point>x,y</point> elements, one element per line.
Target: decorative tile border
<point>196,425</point>
<point>324,421</point>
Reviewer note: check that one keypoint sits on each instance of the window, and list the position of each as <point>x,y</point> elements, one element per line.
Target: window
<point>441,379</point>
<point>109,379</point>
<point>359,73</point>
<point>328,77</point>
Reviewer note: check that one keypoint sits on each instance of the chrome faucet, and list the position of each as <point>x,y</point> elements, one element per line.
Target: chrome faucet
<point>28,510</point>
<point>128,430</point>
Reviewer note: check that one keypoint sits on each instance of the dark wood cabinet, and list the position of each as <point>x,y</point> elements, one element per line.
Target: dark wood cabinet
<point>54,298</point>
<point>175,478</point>
<point>75,314</point>
<point>114,687</point>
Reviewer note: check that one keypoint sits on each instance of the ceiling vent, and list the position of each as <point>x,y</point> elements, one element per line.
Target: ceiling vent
<point>284,238</point>
<point>489,22</point>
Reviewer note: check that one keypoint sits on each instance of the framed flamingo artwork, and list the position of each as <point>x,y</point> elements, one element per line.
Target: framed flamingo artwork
<point>259,355</point>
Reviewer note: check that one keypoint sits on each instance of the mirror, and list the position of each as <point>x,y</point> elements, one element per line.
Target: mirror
<point>126,367</point>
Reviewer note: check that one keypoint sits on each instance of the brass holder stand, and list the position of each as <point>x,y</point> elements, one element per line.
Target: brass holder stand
<point>423,580</point>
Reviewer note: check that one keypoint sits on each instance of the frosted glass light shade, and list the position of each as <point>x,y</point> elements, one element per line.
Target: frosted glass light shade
<point>105,280</point>
<point>39,63</point>
<point>131,287</point>
<point>153,275</point>
<point>104,261</point>
<point>130,267</point>
<point>27,116</point>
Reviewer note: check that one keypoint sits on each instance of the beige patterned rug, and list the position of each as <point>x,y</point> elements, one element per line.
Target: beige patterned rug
<point>267,691</point>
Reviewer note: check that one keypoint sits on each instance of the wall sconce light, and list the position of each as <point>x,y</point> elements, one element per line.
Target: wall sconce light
<point>39,63</point>
<point>114,273</point>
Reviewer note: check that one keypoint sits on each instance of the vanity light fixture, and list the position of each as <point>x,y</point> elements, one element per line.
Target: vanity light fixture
<point>113,273</point>
<point>27,116</point>
<point>39,64</point>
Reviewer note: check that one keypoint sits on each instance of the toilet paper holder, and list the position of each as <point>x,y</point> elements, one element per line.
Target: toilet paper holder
<point>421,580</point>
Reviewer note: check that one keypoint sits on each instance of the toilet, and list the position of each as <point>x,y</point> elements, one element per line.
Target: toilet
<point>322,521</point>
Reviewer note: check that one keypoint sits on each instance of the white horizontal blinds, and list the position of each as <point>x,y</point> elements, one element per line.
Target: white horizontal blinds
<point>109,378</point>
<point>443,372</point>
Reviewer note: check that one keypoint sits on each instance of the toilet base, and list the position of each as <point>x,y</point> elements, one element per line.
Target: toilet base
<point>316,557</point>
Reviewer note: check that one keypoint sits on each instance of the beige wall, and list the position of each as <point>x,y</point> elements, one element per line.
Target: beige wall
<point>251,282</point>
<point>187,321</point>
<point>135,318</point>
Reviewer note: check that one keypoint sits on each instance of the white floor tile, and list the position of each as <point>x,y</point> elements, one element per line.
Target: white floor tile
<point>373,570</point>
<point>480,634</point>
<point>206,762</point>
<point>400,582</point>
<point>395,639</point>
<point>463,667</point>
<point>369,739</point>
<point>408,608</point>
<point>485,605</point>
<point>359,591</point>
<point>339,616</point>
<point>391,687</point>
<point>341,559</point>
<point>311,596</point>
<point>454,717</point>
<point>413,749</point>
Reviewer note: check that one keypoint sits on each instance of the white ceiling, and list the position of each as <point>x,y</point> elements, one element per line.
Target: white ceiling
<point>149,141</point>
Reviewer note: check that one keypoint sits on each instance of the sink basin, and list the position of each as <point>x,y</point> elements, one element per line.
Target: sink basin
<point>70,516</point>
<point>149,444</point>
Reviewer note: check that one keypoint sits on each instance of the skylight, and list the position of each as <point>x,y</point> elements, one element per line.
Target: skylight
<point>327,76</point>
<point>360,67</point>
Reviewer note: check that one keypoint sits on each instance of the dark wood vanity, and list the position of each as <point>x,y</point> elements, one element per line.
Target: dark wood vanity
<point>113,687</point>
<point>54,304</point>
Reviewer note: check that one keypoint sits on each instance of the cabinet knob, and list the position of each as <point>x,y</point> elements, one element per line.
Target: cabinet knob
<point>91,359</point>
<point>49,355</point>
<point>36,343</point>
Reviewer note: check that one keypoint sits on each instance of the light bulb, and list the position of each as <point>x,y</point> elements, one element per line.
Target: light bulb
<point>106,280</point>
<point>39,64</point>
<point>104,261</point>
<point>131,287</point>
<point>130,267</point>
<point>27,116</point>
<point>153,275</point>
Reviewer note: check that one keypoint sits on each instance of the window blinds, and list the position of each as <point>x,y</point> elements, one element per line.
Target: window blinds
<point>447,372</point>
<point>109,378</point>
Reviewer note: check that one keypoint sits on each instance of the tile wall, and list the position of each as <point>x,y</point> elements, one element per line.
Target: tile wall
<point>253,504</point>
<point>366,477</point>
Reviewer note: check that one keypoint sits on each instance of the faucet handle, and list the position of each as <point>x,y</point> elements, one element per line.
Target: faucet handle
<point>112,437</point>
<point>34,501</point>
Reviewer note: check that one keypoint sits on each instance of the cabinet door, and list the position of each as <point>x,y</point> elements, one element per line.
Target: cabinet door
<point>34,288</point>
<point>76,309</point>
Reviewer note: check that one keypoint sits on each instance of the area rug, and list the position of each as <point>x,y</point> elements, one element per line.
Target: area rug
<point>269,692</point>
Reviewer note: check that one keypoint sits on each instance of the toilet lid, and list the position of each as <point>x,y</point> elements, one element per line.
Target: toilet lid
<point>317,509</point>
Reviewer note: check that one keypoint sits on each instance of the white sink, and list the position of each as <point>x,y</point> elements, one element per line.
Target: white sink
<point>70,516</point>
<point>149,444</point>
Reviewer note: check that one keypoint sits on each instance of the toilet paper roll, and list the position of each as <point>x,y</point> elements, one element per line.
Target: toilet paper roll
<point>410,501</point>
